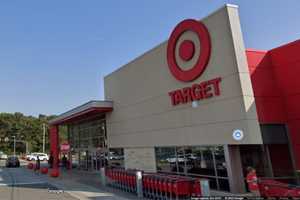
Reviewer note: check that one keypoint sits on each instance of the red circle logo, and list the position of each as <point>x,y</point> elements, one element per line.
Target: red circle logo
<point>187,50</point>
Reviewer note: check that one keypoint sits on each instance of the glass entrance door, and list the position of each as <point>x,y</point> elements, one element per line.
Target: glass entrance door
<point>99,159</point>
<point>83,160</point>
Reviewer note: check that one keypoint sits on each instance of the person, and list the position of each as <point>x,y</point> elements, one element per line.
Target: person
<point>50,161</point>
<point>64,161</point>
<point>252,181</point>
<point>38,164</point>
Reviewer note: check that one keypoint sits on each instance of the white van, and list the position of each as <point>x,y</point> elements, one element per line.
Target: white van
<point>33,156</point>
<point>3,156</point>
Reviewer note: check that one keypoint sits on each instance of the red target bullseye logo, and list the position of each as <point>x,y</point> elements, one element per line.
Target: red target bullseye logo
<point>187,50</point>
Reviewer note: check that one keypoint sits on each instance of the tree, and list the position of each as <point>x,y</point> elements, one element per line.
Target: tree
<point>27,128</point>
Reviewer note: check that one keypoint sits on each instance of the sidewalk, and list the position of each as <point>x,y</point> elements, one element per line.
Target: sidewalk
<point>86,186</point>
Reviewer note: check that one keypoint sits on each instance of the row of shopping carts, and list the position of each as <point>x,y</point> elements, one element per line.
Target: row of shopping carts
<point>272,188</point>
<point>122,179</point>
<point>162,186</point>
<point>154,185</point>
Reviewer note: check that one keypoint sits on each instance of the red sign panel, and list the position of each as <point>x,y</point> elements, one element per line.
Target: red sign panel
<point>196,92</point>
<point>65,147</point>
<point>187,50</point>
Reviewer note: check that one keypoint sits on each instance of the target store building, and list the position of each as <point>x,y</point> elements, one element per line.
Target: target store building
<point>199,104</point>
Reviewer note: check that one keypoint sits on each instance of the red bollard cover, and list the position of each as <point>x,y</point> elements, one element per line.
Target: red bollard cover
<point>54,173</point>
<point>44,170</point>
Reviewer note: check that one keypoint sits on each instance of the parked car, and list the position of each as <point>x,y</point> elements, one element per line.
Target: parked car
<point>12,161</point>
<point>180,158</point>
<point>114,156</point>
<point>33,156</point>
<point>3,156</point>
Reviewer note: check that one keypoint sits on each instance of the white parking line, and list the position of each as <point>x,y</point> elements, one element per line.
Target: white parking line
<point>24,183</point>
<point>31,183</point>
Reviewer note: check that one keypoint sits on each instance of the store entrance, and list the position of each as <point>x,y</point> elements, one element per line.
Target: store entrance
<point>88,140</point>
<point>273,159</point>
<point>92,160</point>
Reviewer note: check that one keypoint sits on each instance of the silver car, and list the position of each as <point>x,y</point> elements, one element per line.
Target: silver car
<point>3,156</point>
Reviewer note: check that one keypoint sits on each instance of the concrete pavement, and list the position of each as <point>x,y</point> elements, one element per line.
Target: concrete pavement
<point>86,186</point>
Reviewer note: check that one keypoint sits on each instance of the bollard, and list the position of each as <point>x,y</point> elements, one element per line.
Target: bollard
<point>204,184</point>
<point>44,170</point>
<point>139,184</point>
<point>54,172</point>
<point>30,166</point>
<point>102,176</point>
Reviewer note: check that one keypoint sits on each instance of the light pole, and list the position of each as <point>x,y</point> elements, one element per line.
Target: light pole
<point>26,146</point>
<point>14,145</point>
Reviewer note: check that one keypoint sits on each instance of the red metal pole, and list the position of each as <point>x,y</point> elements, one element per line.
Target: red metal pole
<point>54,149</point>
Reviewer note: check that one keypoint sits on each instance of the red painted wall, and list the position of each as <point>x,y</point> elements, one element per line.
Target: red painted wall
<point>276,85</point>
<point>268,99</point>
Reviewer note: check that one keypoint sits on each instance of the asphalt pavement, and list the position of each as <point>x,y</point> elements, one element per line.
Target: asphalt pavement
<point>21,184</point>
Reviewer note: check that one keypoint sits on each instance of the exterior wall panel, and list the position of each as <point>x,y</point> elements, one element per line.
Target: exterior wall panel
<point>286,62</point>
<point>143,115</point>
<point>275,82</point>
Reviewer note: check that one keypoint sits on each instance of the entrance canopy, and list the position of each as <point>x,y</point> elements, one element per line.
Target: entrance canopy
<point>88,109</point>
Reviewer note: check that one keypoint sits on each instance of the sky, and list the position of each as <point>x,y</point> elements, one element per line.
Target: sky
<point>54,54</point>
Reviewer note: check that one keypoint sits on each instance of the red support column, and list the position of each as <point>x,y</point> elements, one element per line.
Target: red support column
<point>54,149</point>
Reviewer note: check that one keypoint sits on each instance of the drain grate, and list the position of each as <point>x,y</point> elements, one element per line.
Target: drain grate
<point>53,189</point>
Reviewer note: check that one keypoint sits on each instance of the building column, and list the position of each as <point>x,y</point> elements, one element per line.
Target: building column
<point>234,169</point>
<point>54,145</point>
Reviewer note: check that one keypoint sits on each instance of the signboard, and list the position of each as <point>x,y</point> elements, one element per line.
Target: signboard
<point>65,147</point>
<point>186,51</point>
<point>238,135</point>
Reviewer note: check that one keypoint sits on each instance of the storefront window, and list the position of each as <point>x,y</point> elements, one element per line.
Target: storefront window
<point>223,184</point>
<point>166,159</point>
<point>197,161</point>
<point>84,143</point>
<point>181,159</point>
<point>83,160</point>
<point>116,157</point>
<point>220,161</point>
<point>200,161</point>
<point>75,159</point>
<point>90,134</point>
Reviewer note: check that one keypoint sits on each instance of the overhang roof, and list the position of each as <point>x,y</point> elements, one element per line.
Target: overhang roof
<point>83,111</point>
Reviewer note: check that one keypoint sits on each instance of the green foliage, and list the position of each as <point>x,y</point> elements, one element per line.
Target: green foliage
<point>25,128</point>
